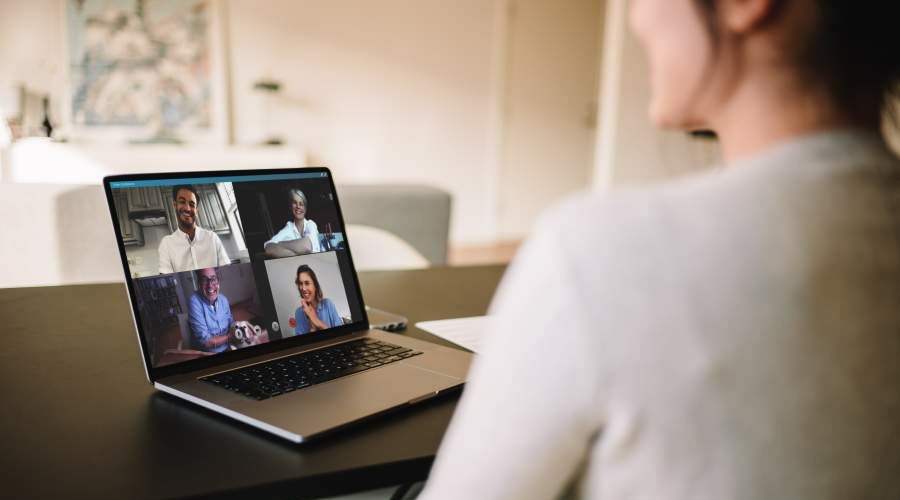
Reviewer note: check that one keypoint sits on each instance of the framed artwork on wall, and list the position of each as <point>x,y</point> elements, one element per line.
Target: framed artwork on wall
<point>146,71</point>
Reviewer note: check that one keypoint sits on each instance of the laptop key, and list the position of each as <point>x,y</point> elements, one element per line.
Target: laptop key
<point>352,370</point>
<point>298,371</point>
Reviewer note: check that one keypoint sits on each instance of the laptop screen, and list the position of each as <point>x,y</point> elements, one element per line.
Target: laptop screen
<point>225,262</point>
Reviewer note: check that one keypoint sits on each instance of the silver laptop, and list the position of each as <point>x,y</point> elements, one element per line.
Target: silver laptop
<point>246,302</point>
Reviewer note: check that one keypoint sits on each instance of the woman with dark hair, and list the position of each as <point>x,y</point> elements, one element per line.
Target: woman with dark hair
<point>316,312</point>
<point>731,335</point>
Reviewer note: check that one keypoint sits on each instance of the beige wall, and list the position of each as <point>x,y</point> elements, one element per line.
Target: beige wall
<point>415,91</point>
<point>31,46</point>
<point>550,113</point>
<point>629,148</point>
<point>491,100</point>
<point>386,91</point>
<point>474,96</point>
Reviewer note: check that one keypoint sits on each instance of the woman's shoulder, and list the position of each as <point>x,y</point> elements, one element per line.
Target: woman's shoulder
<point>787,173</point>
<point>643,227</point>
<point>640,208</point>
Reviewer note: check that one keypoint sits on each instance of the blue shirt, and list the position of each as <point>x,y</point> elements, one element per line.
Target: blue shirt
<point>325,311</point>
<point>208,321</point>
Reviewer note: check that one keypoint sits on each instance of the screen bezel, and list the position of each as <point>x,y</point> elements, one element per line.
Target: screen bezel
<point>156,373</point>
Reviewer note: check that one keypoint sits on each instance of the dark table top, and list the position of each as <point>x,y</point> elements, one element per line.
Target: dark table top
<point>80,420</point>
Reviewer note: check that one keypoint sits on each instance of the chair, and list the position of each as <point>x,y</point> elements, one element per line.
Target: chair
<point>56,234</point>
<point>418,215</point>
<point>185,328</point>
<point>183,351</point>
<point>375,249</point>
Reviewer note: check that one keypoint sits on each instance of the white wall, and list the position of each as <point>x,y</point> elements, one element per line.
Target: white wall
<point>53,233</point>
<point>388,90</point>
<point>31,46</point>
<point>629,148</point>
<point>550,113</point>
<point>408,91</point>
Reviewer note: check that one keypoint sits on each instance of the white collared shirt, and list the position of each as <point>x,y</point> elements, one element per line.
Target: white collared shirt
<point>178,253</point>
<point>289,233</point>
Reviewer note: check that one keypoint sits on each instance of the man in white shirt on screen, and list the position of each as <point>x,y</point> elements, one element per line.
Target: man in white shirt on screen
<point>190,246</point>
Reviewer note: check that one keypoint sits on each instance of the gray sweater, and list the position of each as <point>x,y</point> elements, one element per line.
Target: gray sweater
<point>733,335</point>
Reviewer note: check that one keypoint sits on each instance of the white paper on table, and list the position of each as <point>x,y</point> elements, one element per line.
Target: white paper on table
<point>466,332</point>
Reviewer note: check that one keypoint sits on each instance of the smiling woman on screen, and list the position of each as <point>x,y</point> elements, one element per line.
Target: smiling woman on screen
<point>731,335</point>
<point>300,235</point>
<point>316,312</point>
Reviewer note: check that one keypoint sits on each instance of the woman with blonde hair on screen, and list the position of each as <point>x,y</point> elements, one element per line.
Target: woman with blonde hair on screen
<point>731,335</point>
<point>300,235</point>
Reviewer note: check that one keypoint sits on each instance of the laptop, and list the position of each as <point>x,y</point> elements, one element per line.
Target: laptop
<point>246,302</point>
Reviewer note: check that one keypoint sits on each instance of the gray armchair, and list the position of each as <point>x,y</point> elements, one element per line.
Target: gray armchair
<point>419,215</point>
<point>57,234</point>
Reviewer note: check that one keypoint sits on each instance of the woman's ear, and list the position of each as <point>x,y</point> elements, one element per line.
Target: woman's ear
<point>744,16</point>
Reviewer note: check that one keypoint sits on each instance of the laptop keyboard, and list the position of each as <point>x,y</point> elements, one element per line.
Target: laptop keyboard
<point>290,373</point>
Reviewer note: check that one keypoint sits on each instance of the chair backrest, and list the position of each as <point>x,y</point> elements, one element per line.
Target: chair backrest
<point>55,234</point>
<point>375,249</point>
<point>419,215</point>
<point>185,328</point>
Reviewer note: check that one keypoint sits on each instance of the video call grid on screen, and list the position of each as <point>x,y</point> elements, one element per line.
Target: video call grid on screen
<point>244,278</point>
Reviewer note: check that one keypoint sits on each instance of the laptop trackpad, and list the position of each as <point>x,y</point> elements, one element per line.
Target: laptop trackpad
<point>347,399</point>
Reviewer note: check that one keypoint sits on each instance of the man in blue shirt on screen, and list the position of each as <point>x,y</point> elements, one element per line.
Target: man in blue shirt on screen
<point>212,324</point>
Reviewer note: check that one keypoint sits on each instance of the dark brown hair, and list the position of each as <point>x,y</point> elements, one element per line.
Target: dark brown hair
<point>853,51</point>
<point>184,187</point>
<point>306,269</point>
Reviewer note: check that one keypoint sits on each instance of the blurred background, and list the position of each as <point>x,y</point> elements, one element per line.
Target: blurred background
<point>505,105</point>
